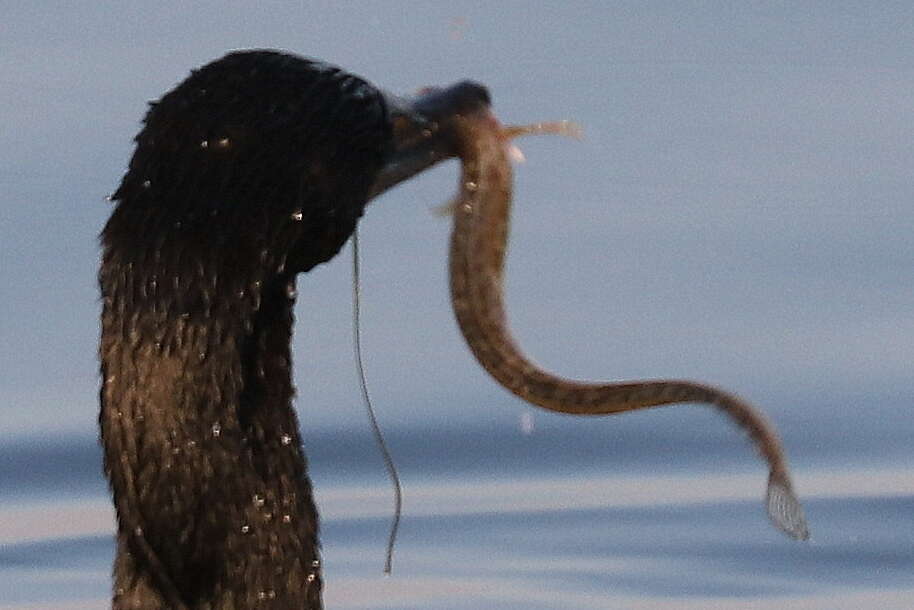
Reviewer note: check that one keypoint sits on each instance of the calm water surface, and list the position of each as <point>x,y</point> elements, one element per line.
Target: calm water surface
<point>626,514</point>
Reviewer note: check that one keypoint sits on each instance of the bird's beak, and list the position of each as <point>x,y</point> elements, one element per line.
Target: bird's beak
<point>419,125</point>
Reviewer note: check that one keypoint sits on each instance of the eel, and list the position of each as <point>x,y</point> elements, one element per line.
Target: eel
<point>478,245</point>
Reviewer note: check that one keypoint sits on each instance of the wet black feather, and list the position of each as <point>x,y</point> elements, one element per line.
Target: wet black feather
<point>253,169</point>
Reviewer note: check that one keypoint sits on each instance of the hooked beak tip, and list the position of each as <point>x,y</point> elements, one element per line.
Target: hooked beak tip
<point>418,139</point>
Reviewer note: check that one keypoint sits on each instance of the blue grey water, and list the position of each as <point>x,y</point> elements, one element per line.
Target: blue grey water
<point>541,513</point>
<point>739,212</point>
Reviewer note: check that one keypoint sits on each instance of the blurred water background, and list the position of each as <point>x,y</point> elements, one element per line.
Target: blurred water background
<point>740,212</point>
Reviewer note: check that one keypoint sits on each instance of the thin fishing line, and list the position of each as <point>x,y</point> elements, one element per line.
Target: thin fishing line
<point>376,429</point>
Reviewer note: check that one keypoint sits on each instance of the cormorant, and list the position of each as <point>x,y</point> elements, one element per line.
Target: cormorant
<point>252,170</point>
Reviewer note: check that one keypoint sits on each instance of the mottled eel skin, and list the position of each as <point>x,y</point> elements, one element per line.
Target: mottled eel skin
<point>478,245</point>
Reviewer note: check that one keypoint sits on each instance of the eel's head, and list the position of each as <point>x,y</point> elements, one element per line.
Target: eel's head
<point>423,131</point>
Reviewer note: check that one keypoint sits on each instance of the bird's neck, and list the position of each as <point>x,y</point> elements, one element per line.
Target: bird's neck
<point>202,444</point>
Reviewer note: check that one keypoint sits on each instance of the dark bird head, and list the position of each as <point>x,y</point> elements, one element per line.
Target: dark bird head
<point>251,156</point>
<point>257,167</point>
